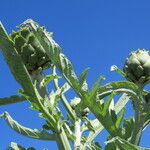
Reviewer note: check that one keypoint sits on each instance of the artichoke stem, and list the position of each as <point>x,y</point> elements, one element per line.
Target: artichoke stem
<point>139,120</point>
<point>37,78</point>
<point>137,132</point>
<point>78,134</point>
<point>62,140</point>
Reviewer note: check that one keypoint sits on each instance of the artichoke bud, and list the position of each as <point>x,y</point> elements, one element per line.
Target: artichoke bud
<point>13,35</point>
<point>140,71</point>
<point>137,67</point>
<point>36,45</point>
<point>19,42</point>
<point>30,49</point>
<point>147,68</point>
<point>25,33</point>
<point>26,52</point>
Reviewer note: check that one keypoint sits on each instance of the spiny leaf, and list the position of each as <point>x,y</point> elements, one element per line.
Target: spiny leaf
<point>118,87</point>
<point>95,87</point>
<point>68,72</point>
<point>106,120</point>
<point>26,131</point>
<point>125,144</point>
<point>15,146</point>
<point>11,100</point>
<point>15,63</point>
<point>98,126</point>
<point>120,118</point>
<point>82,80</point>
<point>83,76</point>
<point>113,116</point>
<point>127,128</point>
<point>107,104</point>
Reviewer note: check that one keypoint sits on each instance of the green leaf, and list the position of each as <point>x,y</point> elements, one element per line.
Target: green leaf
<point>107,104</point>
<point>67,71</point>
<point>91,98</point>
<point>96,86</point>
<point>125,145</point>
<point>15,146</point>
<point>118,87</point>
<point>15,63</point>
<point>106,120</point>
<point>52,100</point>
<point>23,94</point>
<point>11,100</point>
<point>27,131</point>
<point>120,118</point>
<point>127,129</point>
<point>115,68</point>
<point>98,126</point>
<point>48,79</point>
<point>113,116</point>
<point>83,75</point>
<point>101,111</point>
<point>82,80</point>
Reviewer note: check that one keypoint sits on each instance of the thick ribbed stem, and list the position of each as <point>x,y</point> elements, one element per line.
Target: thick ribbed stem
<point>37,78</point>
<point>139,118</point>
<point>78,134</point>
<point>138,127</point>
<point>62,140</point>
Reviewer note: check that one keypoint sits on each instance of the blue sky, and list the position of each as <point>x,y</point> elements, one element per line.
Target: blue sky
<point>92,33</point>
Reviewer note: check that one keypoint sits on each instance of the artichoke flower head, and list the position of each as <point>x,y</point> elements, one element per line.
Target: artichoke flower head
<point>29,47</point>
<point>137,67</point>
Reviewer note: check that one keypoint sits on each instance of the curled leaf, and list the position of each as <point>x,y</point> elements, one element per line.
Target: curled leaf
<point>43,135</point>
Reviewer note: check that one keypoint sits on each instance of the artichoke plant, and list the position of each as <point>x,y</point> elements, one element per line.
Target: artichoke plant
<point>137,67</point>
<point>30,49</point>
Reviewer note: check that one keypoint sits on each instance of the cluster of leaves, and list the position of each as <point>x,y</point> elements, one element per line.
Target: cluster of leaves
<point>67,132</point>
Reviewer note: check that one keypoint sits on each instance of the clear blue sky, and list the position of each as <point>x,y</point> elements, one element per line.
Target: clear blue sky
<point>92,33</point>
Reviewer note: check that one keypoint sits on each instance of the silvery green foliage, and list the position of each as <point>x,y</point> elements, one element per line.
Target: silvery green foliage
<point>15,146</point>
<point>29,51</point>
